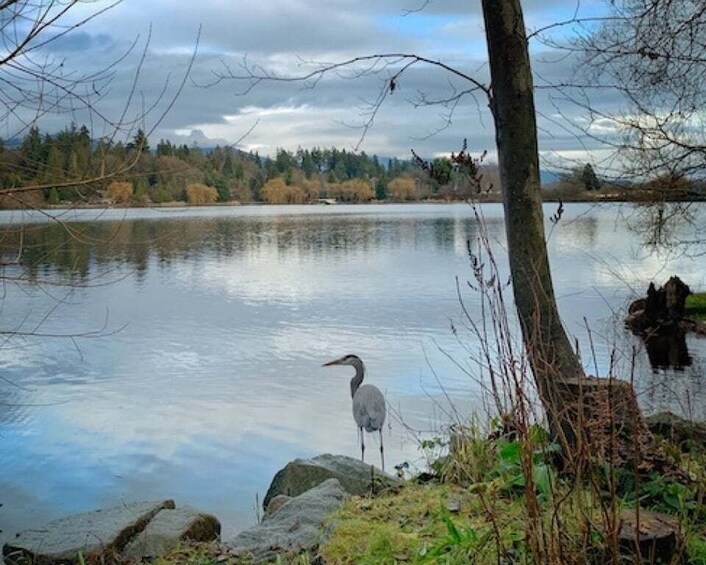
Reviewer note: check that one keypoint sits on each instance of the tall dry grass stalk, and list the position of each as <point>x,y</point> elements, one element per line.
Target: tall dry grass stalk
<point>572,501</point>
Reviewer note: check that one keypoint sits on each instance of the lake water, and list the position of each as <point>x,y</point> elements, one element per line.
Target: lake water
<point>179,351</point>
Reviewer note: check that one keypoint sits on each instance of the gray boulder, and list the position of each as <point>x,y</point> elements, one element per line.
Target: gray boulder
<point>168,528</point>
<point>102,533</point>
<point>295,527</point>
<point>301,475</point>
<point>275,504</point>
<point>135,530</point>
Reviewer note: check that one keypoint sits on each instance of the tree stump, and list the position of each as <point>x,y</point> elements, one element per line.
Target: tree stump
<point>660,320</point>
<point>661,311</point>
<point>601,418</point>
<point>648,537</point>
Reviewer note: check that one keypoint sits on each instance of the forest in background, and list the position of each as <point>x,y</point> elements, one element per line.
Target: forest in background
<point>134,173</point>
<point>71,168</point>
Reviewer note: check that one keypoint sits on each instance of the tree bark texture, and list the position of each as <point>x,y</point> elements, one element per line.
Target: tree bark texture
<point>512,104</point>
<point>561,382</point>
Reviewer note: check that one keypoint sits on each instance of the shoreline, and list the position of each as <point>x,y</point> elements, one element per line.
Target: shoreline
<point>180,204</point>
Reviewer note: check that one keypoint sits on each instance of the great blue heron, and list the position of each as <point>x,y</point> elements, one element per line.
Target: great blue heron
<point>368,403</point>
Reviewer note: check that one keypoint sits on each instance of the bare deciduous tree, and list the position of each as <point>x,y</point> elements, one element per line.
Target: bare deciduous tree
<point>578,408</point>
<point>37,84</point>
<point>653,54</point>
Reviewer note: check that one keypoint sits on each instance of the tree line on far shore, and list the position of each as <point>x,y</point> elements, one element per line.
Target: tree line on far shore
<point>132,173</point>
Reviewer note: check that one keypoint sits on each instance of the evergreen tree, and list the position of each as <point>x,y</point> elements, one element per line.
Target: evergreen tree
<point>139,142</point>
<point>442,170</point>
<point>74,171</point>
<point>589,179</point>
<point>228,169</point>
<point>183,151</point>
<point>53,172</point>
<point>308,165</point>
<point>223,189</point>
<point>33,151</point>
<point>317,157</point>
<point>256,184</point>
<point>53,198</point>
<point>165,148</point>
<point>381,188</point>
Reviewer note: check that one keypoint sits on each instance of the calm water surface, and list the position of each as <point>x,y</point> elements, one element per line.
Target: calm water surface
<point>193,371</point>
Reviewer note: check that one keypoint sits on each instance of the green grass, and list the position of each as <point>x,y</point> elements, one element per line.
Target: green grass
<point>415,526</point>
<point>491,522</point>
<point>483,509</point>
<point>477,513</point>
<point>212,553</point>
<point>696,306</point>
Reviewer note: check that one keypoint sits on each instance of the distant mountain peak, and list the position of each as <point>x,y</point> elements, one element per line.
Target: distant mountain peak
<point>199,138</point>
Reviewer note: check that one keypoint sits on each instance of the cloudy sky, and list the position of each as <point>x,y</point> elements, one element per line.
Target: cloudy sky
<point>292,37</point>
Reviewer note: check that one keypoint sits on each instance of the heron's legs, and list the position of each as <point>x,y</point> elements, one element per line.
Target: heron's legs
<point>382,452</point>
<point>362,445</point>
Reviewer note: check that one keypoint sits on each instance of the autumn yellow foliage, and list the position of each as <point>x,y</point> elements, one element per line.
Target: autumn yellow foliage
<point>276,191</point>
<point>198,193</point>
<point>355,190</point>
<point>402,188</point>
<point>119,192</point>
<point>311,188</point>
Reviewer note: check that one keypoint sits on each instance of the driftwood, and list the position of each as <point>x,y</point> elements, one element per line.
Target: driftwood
<point>694,326</point>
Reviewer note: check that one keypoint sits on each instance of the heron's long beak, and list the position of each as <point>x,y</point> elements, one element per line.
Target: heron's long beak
<point>334,362</point>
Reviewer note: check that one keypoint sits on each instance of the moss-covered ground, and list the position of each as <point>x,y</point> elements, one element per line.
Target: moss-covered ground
<point>501,501</point>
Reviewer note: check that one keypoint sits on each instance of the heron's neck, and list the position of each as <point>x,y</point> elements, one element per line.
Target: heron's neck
<point>358,378</point>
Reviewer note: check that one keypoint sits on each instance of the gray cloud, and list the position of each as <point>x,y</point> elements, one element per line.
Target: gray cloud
<point>82,42</point>
<point>282,35</point>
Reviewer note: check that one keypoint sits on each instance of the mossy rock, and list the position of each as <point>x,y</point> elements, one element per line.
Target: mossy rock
<point>300,475</point>
<point>98,535</point>
<point>677,430</point>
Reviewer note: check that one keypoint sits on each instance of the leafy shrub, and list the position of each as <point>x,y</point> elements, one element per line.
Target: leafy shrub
<point>276,191</point>
<point>119,192</point>
<point>198,193</point>
<point>402,188</point>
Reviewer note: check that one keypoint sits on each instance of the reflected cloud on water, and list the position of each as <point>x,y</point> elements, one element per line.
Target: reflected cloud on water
<point>205,375</point>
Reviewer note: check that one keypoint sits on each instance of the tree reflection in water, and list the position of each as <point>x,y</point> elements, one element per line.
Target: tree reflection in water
<point>668,351</point>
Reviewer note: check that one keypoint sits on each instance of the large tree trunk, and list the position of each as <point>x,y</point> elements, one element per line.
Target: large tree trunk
<point>562,385</point>
<point>512,104</point>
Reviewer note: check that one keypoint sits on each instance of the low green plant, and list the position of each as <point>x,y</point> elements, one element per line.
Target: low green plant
<point>475,460</point>
<point>696,548</point>
<point>456,546</point>
<point>191,553</point>
<point>667,495</point>
<point>696,305</point>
